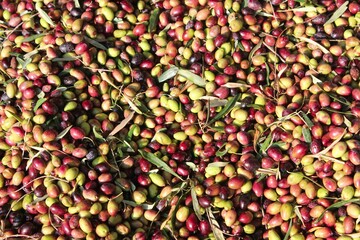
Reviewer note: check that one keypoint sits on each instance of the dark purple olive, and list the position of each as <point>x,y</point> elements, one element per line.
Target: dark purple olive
<point>66,47</point>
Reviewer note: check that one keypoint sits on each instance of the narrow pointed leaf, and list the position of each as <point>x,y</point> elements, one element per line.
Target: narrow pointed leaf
<point>65,59</point>
<point>170,73</point>
<point>215,227</point>
<point>95,43</point>
<point>337,14</point>
<point>316,80</point>
<point>44,16</point>
<point>265,145</point>
<point>97,134</point>
<point>39,102</point>
<point>307,134</point>
<point>257,47</point>
<point>122,124</point>
<point>308,40</point>
<point>288,232</point>
<point>195,203</point>
<point>196,79</point>
<point>153,21</point>
<point>227,108</point>
<point>63,133</point>
<point>33,37</point>
<point>77,4</point>
<point>218,164</point>
<point>158,162</point>
<point>307,120</point>
<point>338,205</point>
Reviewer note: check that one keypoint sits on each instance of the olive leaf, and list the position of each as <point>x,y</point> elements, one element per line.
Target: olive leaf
<point>191,165</point>
<point>307,134</point>
<point>132,104</point>
<point>235,85</point>
<point>77,4</point>
<point>158,162</point>
<point>289,231</point>
<point>196,79</point>
<point>144,205</point>
<point>44,15</point>
<point>308,40</point>
<point>337,14</point>
<point>315,79</point>
<point>33,37</point>
<point>97,134</point>
<point>265,145</point>
<point>214,101</point>
<point>63,133</point>
<point>170,73</point>
<point>153,21</point>
<point>229,105</point>
<point>218,164</point>
<point>257,47</point>
<point>195,203</point>
<point>38,103</point>
<point>307,120</point>
<point>347,122</point>
<point>298,214</point>
<point>215,227</point>
<point>95,43</point>
<point>122,124</point>
<point>221,153</point>
<point>337,205</point>
<point>130,133</point>
<point>65,59</point>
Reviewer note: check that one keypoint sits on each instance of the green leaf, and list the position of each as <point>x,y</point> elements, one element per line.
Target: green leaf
<point>95,43</point>
<point>63,133</point>
<point>226,109</point>
<point>215,227</point>
<point>337,14</point>
<point>158,162</point>
<point>288,232</point>
<point>14,115</point>
<point>97,134</point>
<point>118,20</point>
<point>39,102</point>
<point>195,203</point>
<point>191,165</point>
<point>44,15</point>
<point>298,214</point>
<point>338,205</point>
<point>33,37</point>
<point>77,4</point>
<point>267,73</point>
<point>265,145</point>
<point>257,47</point>
<point>307,120</point>
<point>130,133</point>
<point>153,21</point>
<point>307,134</point>
<point>221,153</point>
<point>196,79</point>
<point>347,122</point>
<point>41,94</point>
<point>170,73</point>
<point>308,40</point>
<point>65,59</point>
<point>218,164</point>
<point>21,61</point>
